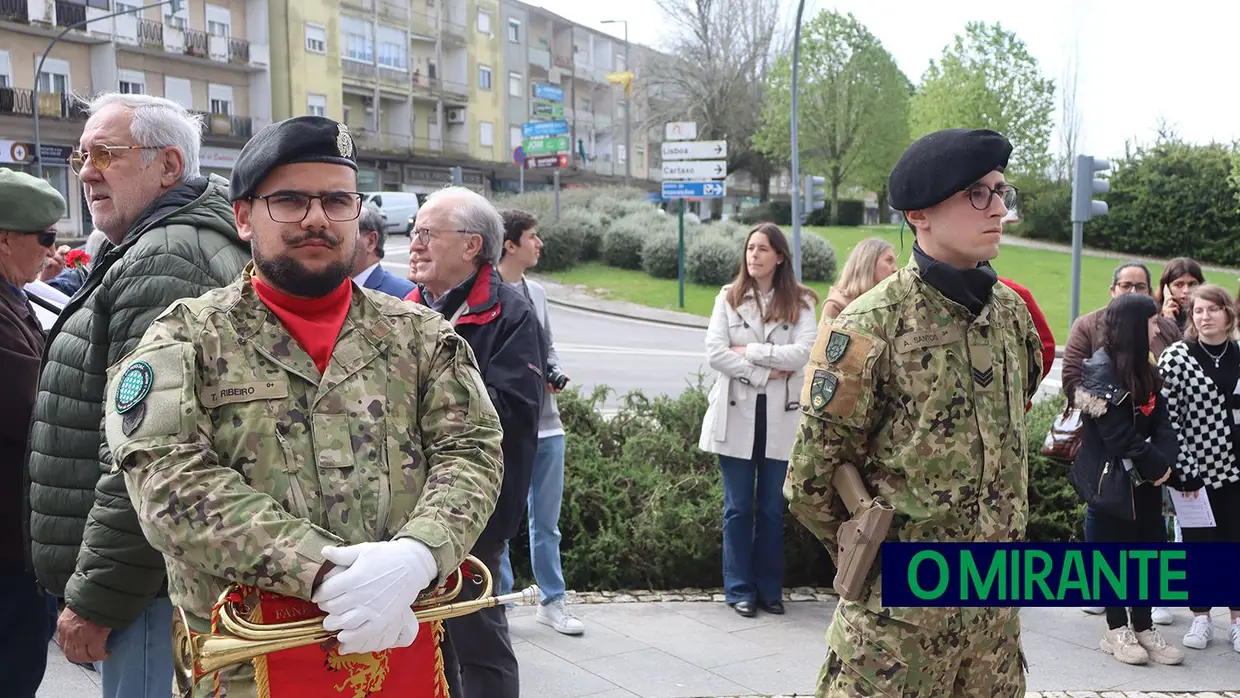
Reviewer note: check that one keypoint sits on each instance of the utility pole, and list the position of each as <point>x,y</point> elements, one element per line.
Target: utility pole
<point>796,159</point>
<point>38,70</point>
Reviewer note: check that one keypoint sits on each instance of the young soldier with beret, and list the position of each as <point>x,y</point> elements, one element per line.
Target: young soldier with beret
<point>921,385</point>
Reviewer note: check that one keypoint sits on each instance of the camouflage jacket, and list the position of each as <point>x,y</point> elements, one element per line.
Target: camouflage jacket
<point>243,462</point>
<point>928,403</point>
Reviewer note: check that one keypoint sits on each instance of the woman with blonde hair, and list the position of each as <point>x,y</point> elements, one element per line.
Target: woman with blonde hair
<point>759,340</point>
<point>871,261</point>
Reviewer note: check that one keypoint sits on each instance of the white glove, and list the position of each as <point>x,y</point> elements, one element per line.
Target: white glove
<point>369,600</point>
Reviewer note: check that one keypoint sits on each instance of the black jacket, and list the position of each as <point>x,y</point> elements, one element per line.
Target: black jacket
<point>506,337</point>
<point>1115,428</point>
<point>21,346</point>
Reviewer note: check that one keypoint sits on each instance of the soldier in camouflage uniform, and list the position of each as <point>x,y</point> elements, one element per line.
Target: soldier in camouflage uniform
<point>921,385</point>
<point>301,435</point>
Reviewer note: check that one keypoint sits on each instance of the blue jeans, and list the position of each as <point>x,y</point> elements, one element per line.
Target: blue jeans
<point>753,527</point>
<point>546,493</point>
<point>140,665</point>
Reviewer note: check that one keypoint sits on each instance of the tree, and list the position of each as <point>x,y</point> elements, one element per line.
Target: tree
<point>987,79</point>
<point>1070,119</point>
<point>853,106</point>
<point>714,72</point>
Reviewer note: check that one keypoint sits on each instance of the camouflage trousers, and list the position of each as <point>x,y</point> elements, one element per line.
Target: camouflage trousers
<point>973,654</point>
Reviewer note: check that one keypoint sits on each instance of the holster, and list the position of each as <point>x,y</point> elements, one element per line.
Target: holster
<point>862,536</point>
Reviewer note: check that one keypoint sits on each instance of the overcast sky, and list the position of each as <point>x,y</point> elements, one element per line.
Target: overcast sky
<point>1139,60</point>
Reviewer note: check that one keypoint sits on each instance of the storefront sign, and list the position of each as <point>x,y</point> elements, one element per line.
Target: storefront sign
<point>218,158</point>
<point>19,153</point>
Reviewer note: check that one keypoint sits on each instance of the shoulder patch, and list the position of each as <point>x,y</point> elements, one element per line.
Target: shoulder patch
<point>147,393</point>
<point>845,349</point>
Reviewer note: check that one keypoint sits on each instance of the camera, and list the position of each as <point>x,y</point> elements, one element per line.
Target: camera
<point>556,378</point>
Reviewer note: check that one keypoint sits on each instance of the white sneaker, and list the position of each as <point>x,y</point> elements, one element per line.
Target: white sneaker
<point>1200,634</point>
<point>1122,643</point>
<point>1158,649</point>
<point>1161,616</point>
<point>1235,636</point>
<point>557,615</point>
<point>1094,610</point>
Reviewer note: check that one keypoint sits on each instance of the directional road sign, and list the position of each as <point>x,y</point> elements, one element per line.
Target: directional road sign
<point>695,169</point>
<point>680,130</point>
<point>694,150</point>
<point>544,128</point>
<point>545,145</point>
<point>694,190</point>
<point>541,161</point>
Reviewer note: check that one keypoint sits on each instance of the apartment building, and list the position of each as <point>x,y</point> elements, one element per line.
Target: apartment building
<point>211,57</point>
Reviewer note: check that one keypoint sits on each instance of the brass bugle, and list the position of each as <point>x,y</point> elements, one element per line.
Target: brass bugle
<point>198,655</point>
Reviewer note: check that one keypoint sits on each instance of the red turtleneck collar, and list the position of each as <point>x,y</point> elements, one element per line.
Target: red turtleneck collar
<point>314,322</point>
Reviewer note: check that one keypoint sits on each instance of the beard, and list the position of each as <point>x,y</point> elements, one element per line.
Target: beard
<point>293,278</point>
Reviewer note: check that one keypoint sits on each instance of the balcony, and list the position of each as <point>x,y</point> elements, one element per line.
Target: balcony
<point>68,14</point>
<point>383,142</point>
<point>453,32</point>
<point>14,11</point>
<point>541,58</point>
<point>150,34</point>
<point>455,91</point>
<point>564,62</point>
<point>456,147</point>
<point>17,101</point>
<point>239,51</point>
<point>197,43</point>
<point>226,125</point>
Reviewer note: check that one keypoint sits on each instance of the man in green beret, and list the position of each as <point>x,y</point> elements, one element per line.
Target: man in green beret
<point>29,210</point>
<point>916,393</point>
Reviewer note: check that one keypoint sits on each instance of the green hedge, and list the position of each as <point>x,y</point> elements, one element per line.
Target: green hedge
<point>643,506</point>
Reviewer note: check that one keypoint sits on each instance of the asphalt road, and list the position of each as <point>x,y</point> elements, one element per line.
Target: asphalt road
<point>624,354</point>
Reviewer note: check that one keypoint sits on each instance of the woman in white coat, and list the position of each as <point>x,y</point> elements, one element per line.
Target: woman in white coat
<point>759,341</point>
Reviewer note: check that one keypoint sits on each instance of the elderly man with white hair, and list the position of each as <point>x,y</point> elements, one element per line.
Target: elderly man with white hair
<point>171,234</point>
<point>455,245</point>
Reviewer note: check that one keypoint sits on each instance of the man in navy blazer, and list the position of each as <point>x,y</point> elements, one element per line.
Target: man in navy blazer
<point>368,269</point>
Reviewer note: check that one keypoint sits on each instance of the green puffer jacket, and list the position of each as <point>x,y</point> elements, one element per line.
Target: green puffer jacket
<point>85,542</point>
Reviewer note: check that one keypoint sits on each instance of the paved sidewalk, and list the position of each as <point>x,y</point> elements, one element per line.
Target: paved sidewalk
<point>705,650</point>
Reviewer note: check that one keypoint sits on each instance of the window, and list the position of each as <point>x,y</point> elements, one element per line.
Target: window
<point>484,22</point>
<point>484,77</point>
<point>55,76</point>
<point>132,82</point>
<point>316,38</point>
<point>347,111</point>
<point>621,155</point>
<point>515,87</point>
<point>6,70</point>
<point>221,97</point>
<point>514,31</point>
<point>180,20</point>
<point>178,90</point>
<point>486,134</point>
<point>316,105</point>
<point>97,4</point>
<point>393,51</point>
<point>219,21</point>
<point>358,41</point>
<point>515,136</point>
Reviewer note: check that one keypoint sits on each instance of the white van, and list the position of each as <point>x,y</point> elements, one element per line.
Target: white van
<point>399,207</point>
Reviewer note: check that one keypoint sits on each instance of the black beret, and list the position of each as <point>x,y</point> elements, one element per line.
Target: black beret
<point>943,163</point>
<point>299,139</point>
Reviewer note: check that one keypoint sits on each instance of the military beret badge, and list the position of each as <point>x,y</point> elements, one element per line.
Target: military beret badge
<point>344,141</point>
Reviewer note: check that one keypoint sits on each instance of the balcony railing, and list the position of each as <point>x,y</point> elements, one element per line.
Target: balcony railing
<point>241,127</point>
<point>456,89</point>
<point>384,142</point>
<point>14,11</point>
<point>197,43</point>
<point>68,14</point>
<point>453,30</point>
<point>239,51</point>
<point>540,57</point>
<point>150,34</point>
<point>564,62</point>
<point>19,101</point>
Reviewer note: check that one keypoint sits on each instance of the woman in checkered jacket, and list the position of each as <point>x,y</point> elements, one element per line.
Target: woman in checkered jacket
<point>1201,384</point>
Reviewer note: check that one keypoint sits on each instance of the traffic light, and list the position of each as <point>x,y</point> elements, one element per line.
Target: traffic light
<point>815,195</point>
<point>457,178</point>
<point>1085,187</point>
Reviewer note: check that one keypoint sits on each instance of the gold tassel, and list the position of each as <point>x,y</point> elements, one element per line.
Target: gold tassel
<point>441,673</point>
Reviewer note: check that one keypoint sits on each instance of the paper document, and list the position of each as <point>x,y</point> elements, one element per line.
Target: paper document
<point>1192,512</point>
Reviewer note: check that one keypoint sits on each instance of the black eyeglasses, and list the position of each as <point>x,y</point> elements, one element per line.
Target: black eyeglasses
<point>294,206</point>
<point>46,238</point>
<point>980,195</point>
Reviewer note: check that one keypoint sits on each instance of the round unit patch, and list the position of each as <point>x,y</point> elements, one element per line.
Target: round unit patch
<point>135,385</point>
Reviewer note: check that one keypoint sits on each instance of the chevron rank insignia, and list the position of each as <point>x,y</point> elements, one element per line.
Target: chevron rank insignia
<point>837,344</point>
<point>984,378</point>
<point>822,389</point>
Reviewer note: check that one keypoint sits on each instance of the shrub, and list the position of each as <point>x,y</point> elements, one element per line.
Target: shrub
<point>1045,210</point>
<point>622,243</point>
<point>852,213</point>
<point>777,212</point>
<point>564,239</point>
<point>1056,513</point>
<point>730,229</point>
<point>712,260</point>
<point>818,261</point>
<point>660,256</point>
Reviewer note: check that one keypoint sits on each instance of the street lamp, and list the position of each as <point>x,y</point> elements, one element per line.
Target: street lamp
<point>38,69</point>
<point>796,159</point>
<point>628,106</point>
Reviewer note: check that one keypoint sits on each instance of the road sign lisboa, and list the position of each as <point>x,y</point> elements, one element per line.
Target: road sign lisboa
<point>694,190</point>
<point>544,128</point>
<point>694,150</point>
<point>545,145</point>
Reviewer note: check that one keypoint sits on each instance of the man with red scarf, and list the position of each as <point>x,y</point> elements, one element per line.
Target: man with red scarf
<point>329,449</point>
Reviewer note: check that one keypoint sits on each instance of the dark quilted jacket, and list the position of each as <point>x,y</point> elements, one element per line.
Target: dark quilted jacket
<point>80,517</point>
